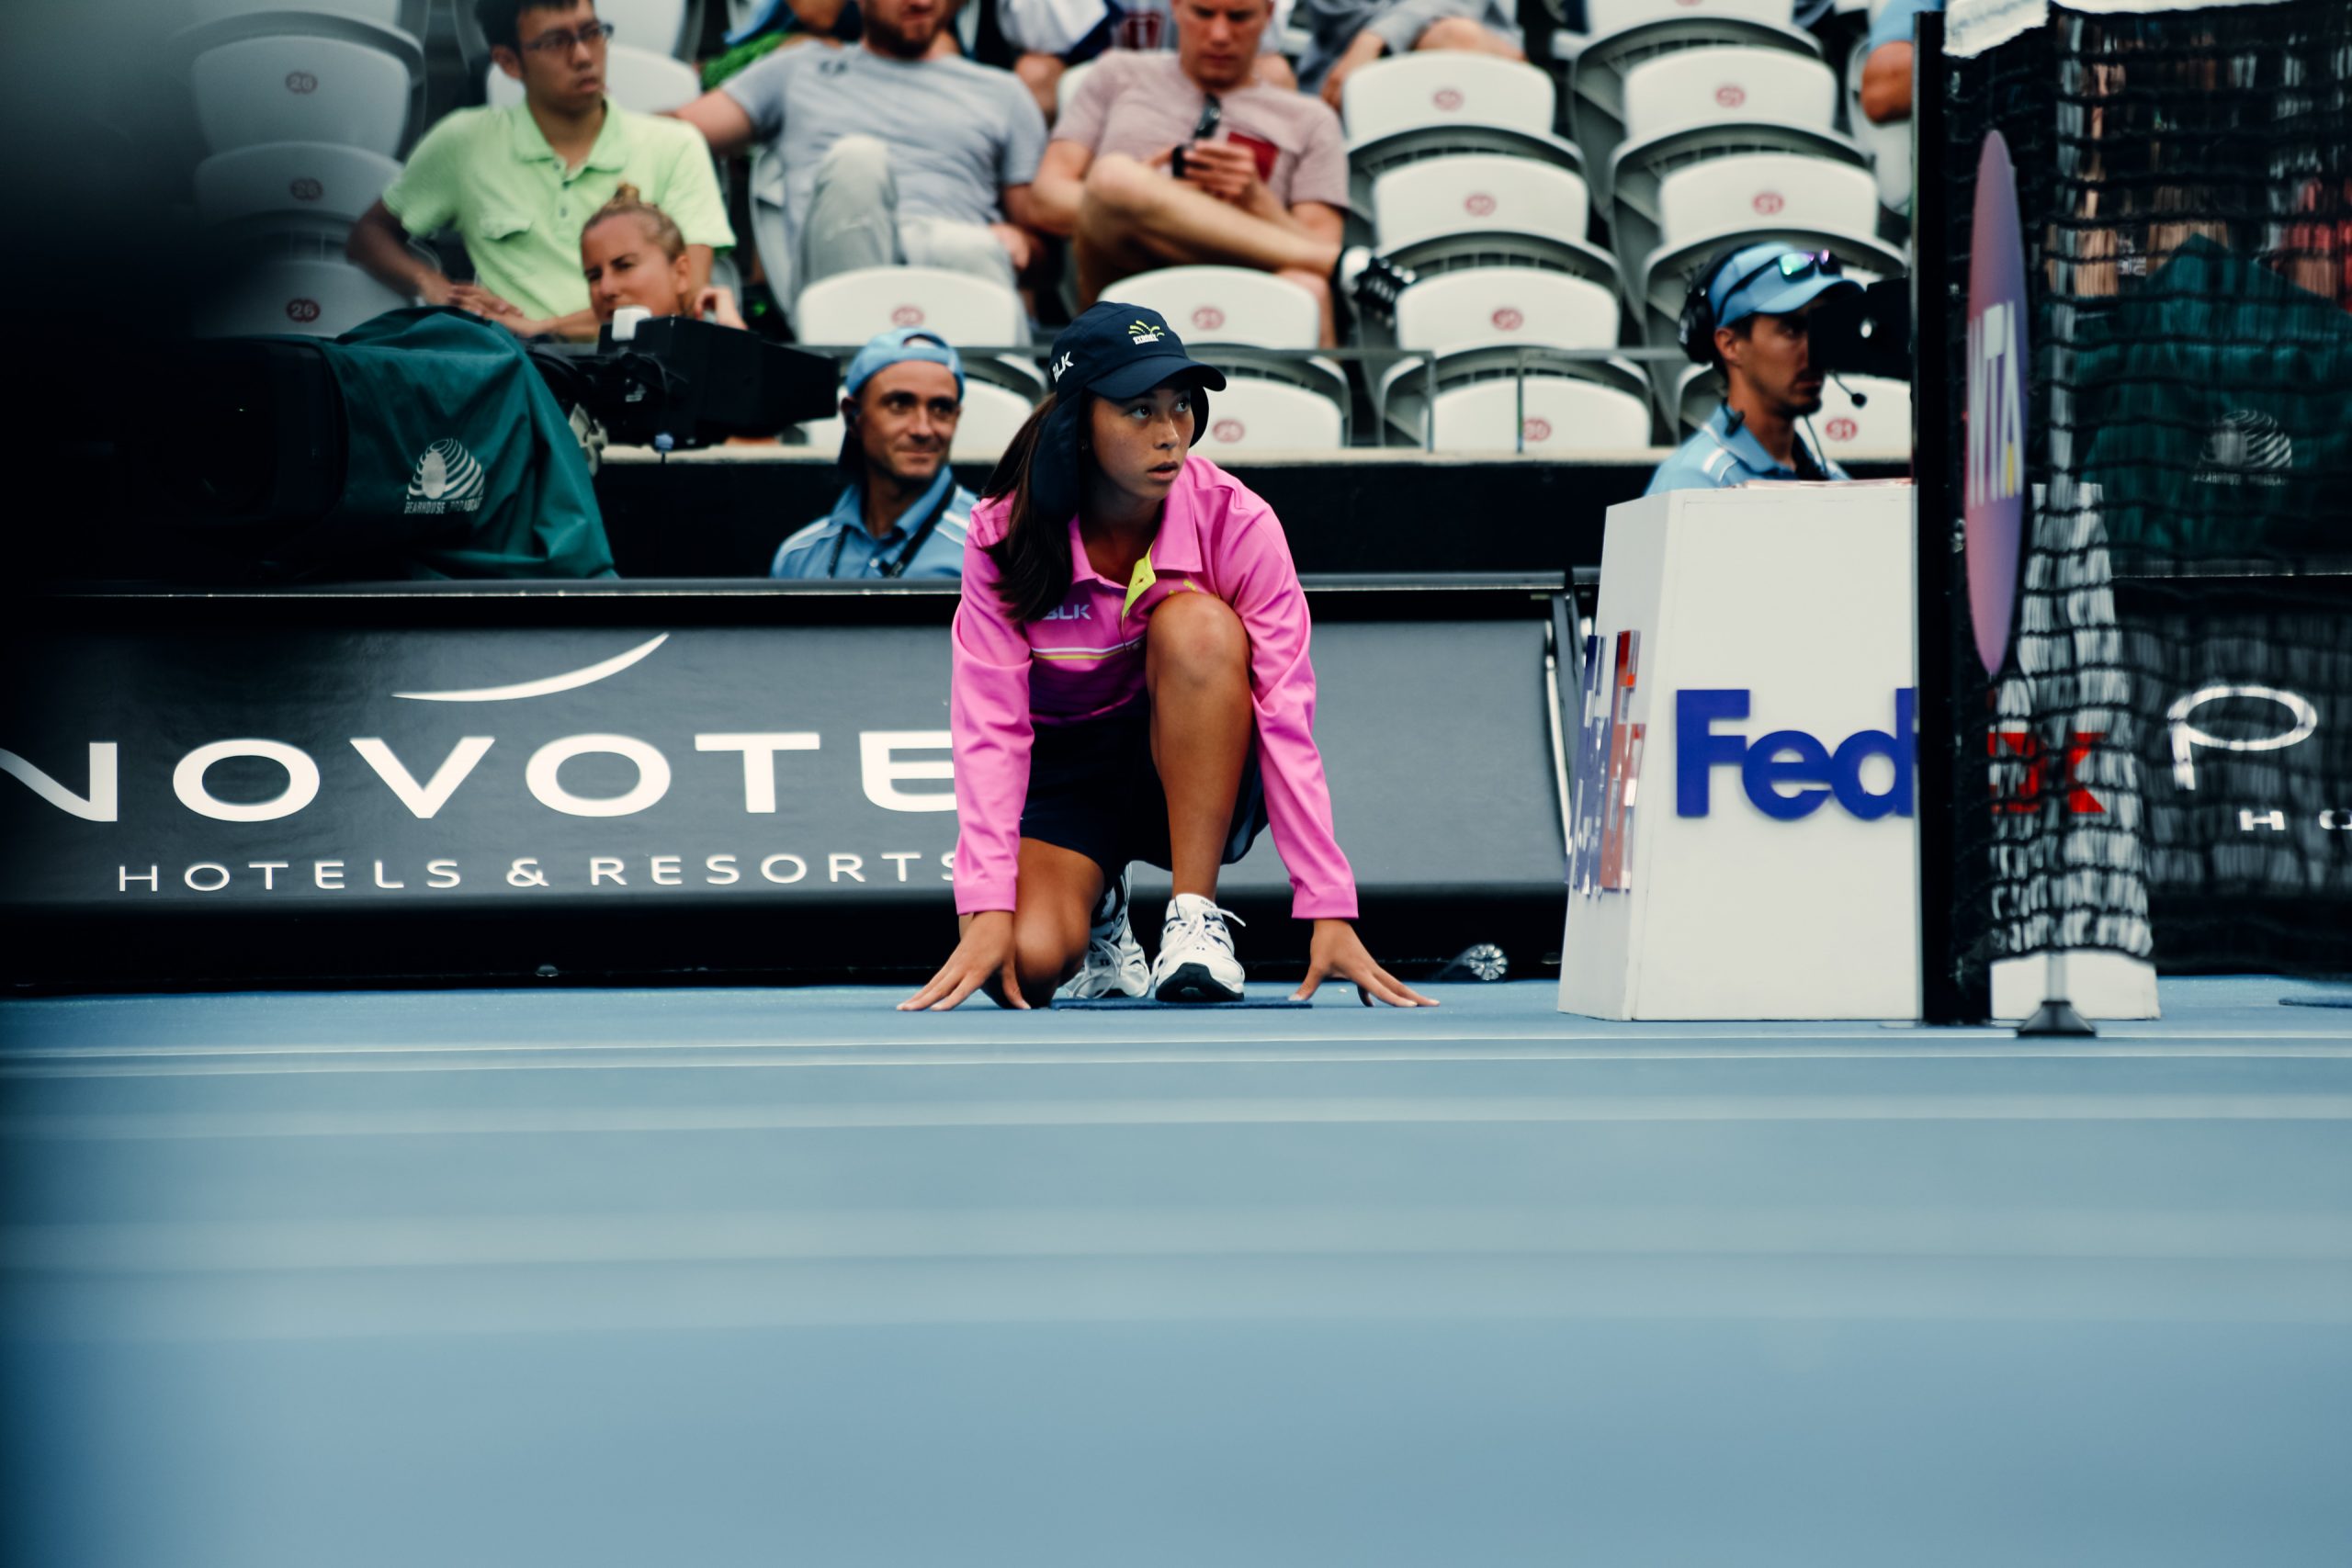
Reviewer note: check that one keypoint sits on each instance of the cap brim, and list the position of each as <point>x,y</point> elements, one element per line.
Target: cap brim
<point>1794,296</point>
<point>1152,371</point>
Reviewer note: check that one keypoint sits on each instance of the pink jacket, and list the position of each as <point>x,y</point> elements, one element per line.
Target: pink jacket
<point>1085,658</point>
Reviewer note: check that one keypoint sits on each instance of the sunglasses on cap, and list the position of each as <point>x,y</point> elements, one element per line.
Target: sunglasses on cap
<point>1797,264</point>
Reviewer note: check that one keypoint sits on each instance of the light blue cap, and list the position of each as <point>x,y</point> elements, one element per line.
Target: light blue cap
<point>1758,281</point>
<point>896,347</point>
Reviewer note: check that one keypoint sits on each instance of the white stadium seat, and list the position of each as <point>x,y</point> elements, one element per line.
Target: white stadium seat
<point>1553,415</point>
<point>1368,162</point>
<point>659,25</point>
<point>1597,79</point>
<point>636,79</point>
<point>1226,304</point>
<point>847,309</point>
<point>356,91</point>
<point>1480,191</point>
<point>291,184</point>
<point>1766,187</point>
<point>1506,305</point>
<point>991,415</point>
<point>1494,399</point>
<point>407,16</point>
<point>1879,430</point>
<point>314,296</point>
<point>1256,415</point>
<point>1640,168</point>
<point>1615,15</point>
<point>1445,87</point>
<point>1696,87</point>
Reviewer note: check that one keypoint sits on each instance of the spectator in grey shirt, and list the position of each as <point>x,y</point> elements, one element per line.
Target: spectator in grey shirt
<point>1352,33</point>
<point>891,154</point>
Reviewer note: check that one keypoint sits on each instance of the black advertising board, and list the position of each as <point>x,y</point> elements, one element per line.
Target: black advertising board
<point>451,785</point>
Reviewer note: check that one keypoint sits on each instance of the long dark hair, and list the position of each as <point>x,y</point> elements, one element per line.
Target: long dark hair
<point>1033,555</point>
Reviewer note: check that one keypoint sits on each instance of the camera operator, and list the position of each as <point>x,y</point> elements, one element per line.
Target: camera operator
<point>1746,315</point>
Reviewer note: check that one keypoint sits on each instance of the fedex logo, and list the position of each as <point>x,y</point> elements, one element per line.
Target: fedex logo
<point>1788,773</point>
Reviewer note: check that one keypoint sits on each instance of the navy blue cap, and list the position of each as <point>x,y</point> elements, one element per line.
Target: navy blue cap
<point>1111,351</point>
<point>1116,351</point>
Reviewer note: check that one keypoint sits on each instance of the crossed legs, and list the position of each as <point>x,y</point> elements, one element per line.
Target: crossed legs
<point>1132,219</point>
<point>1196,671</point>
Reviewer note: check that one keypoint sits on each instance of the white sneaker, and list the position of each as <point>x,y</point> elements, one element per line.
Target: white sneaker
<point>1115,965</point>
<point>1196,961</point>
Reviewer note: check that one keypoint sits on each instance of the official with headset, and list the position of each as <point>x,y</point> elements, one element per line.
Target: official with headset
<point>902,513</point>
<point>1746,315</point>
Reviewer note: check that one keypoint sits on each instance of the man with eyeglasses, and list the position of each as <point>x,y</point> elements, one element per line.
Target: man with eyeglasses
<point>1746,315</point>
<point>519,183</point>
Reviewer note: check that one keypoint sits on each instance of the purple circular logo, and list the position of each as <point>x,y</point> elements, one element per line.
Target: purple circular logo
<point>1993,491</point>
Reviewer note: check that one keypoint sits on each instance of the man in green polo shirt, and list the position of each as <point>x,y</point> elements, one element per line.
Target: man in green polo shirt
<point>519,183</point>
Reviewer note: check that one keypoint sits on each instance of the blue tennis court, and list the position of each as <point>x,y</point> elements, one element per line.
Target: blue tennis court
<point>736,1276</point>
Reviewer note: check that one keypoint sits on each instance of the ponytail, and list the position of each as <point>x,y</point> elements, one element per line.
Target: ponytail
<point>1033,555</point>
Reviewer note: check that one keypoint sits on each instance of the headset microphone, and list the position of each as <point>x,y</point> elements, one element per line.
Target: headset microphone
<point>1860,399</point>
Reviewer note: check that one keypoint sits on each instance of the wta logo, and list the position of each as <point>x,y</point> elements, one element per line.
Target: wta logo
<point>446,480</point>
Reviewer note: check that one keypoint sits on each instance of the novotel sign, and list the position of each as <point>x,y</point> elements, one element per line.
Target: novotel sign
<point>1789,773</point>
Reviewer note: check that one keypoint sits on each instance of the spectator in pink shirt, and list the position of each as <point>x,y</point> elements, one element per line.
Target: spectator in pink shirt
<point>1163,159</point>
<point>1131,682</point>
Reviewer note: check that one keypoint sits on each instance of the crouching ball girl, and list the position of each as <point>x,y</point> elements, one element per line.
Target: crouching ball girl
<point>1131,682</point>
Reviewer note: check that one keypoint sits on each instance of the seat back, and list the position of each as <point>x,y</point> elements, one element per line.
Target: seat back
<point>658,26</point>
<point>1554,416</point>
<point>991,415</point>
<point>1481,191</point>
<point>407,16</point>
<point>1879,430</point>
<point>1226,304</point>
<point>300,88</point>
<point>1766,187</point>
<point>636,79</point>
<point>291,184</point>
<point>1610,16</point>
<point>1256,415</point>
<point>1446,87</point>
<point>1694,87</point>
<point>847,309</point>
<point>313,296</point>
<point>1506,305</point>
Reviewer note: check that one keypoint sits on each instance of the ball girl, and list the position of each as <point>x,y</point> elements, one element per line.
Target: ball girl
<point>1131,682</point>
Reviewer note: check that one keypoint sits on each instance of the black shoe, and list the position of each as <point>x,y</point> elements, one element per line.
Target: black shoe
<point>1369,282</point>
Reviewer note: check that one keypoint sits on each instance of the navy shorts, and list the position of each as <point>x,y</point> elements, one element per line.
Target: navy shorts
<point>1092,788</point>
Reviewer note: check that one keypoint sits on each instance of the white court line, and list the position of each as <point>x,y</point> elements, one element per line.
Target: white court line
<point>1182,1112</point>
<point>762,1058</point>
<point>2001,1044</point>
<point>540,1240</point>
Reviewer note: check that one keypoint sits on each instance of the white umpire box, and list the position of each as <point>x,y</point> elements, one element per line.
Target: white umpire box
<point>1743,841</point>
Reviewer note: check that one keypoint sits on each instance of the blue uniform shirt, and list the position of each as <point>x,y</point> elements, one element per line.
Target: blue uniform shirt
<point>1893,23</point>
<point>1720,456</point>
<point>839,546</point>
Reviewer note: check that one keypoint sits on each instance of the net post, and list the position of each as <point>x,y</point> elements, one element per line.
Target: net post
<point>1944,996</point>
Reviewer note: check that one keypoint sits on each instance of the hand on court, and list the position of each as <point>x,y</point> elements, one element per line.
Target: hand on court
<point>1338,951</point>
<point>985,953</point>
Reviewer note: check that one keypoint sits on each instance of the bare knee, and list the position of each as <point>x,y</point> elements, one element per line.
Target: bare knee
<point>1273,71</point>
<point>1045,953</point>
<point>1195,639</point>
<point>1454,32</point>
<point>1118,185</point>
